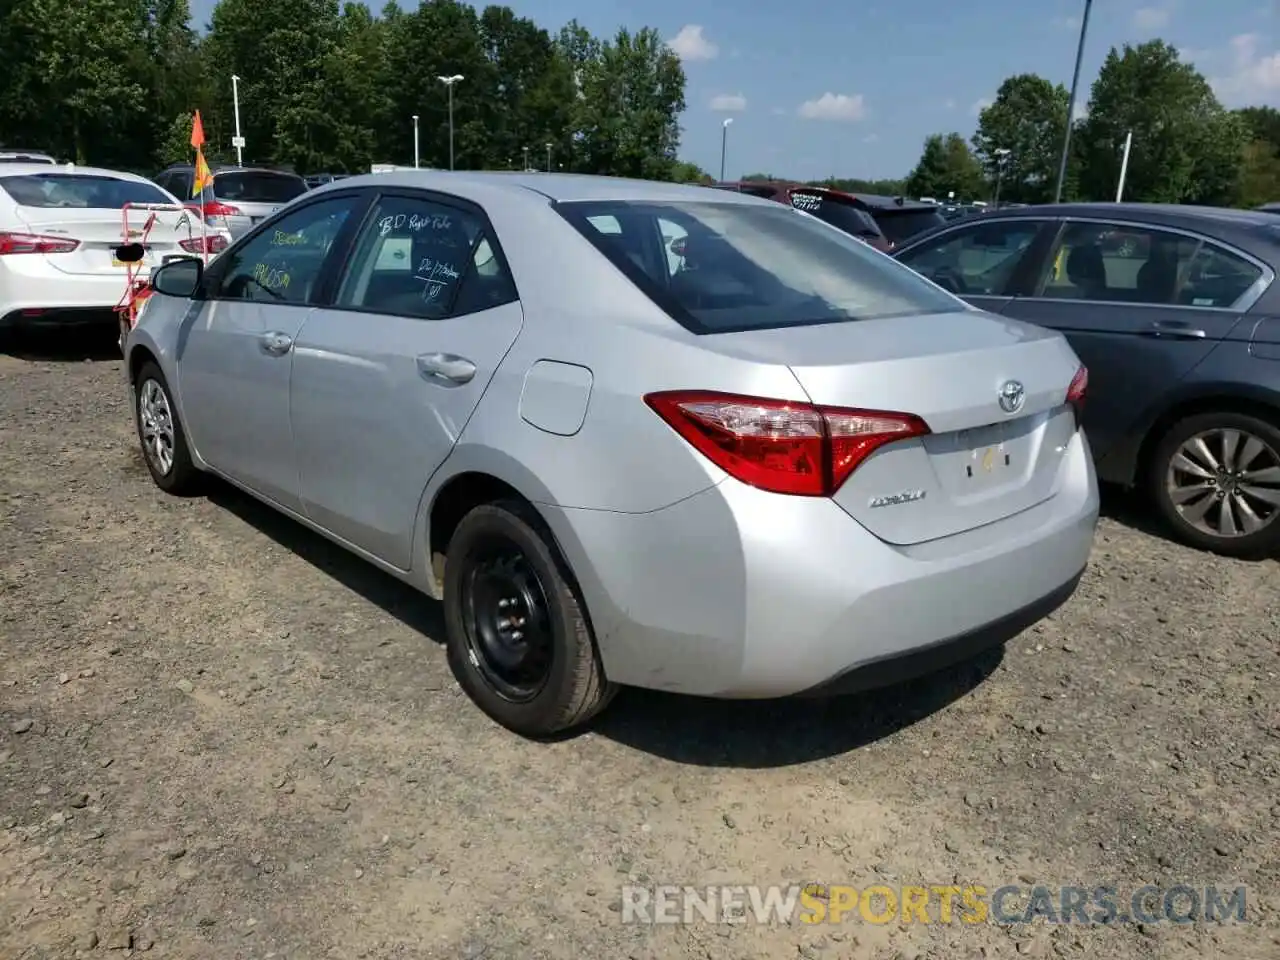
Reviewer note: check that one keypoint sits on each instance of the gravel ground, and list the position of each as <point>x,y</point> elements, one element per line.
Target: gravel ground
<point>221,737</point>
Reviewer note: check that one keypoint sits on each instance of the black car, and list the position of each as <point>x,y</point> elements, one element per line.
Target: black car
<point>898,218</point>
<point>1175,312</point>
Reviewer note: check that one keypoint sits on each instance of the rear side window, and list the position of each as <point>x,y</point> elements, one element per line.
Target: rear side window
<point>723,267</point>
<point>76,191</point>
<point>901,225</point>
<point>258,186</point>
<point>840,213</point>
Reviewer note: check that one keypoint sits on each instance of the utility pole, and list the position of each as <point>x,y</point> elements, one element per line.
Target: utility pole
<point>1071,105</point>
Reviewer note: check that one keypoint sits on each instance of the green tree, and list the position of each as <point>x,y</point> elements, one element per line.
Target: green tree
<point>1186,147</point>
<point>946,165</point>
<point>1028,119</point>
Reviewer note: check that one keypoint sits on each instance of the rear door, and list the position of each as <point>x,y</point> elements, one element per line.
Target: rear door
<point>1141,306</point>
<point>236,352</point>
<point>986,262</point>
<point>387,375</point>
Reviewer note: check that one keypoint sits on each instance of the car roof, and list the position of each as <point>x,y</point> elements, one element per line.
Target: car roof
<point>558,187</point>
<point>68,169</point>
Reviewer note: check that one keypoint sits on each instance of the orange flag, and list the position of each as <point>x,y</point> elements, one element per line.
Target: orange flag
<point>197,133</point>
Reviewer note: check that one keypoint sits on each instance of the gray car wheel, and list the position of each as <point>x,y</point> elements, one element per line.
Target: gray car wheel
<point>1216,479</point>
<point>160,433</point>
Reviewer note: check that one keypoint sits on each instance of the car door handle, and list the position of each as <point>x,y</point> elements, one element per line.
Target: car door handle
<point>446,366</point>
<point>276,344</point>
<point>1174,330</point>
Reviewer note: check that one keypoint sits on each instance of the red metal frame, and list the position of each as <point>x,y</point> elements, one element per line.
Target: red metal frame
<point>137,287</point>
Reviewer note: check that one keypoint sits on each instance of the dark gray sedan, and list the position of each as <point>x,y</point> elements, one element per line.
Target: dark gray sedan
<point>1175,312</point>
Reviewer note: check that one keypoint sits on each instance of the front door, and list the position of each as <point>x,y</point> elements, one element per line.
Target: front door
<point>1141,307</point>
<point>385,379</point>
<point>235,354</point>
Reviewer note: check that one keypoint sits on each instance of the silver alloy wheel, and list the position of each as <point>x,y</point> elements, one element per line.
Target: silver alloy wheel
<point>1225,482</point>
<point>156,422</point>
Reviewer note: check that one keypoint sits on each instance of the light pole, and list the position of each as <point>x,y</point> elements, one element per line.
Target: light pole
<point>525,168</point>
<point>1124,165</point>
<point>1071,105</point>
<point>548,158</point>
<point>1000,154</point>
<point>416,154</point>
<point>449,82</point>
<point>724,144</point>
<point>238,142</point>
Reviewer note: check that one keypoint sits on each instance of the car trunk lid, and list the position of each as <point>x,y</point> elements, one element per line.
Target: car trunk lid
<point>980,463</point>
<point>100,231</point>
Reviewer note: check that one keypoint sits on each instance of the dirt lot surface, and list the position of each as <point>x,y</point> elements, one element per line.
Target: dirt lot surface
<point>222,738</point>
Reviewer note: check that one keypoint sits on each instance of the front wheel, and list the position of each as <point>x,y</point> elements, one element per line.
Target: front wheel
<point>1216,480</point>
<point>164,444</point>
<point>518,638</point>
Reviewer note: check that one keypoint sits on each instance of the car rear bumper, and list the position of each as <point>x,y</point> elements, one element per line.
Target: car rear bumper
<point>36,293</point>
<point>738,593</point>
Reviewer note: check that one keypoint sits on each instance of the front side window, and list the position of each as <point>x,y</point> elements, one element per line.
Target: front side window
<point>420,258</point>
<point>283,263</point>
<point>980,260</point>
<point>78,191</point>
<point>744,267</point>
<point>1142,265</point>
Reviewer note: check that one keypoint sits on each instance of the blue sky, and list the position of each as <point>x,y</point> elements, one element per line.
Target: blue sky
<point>816,88</point>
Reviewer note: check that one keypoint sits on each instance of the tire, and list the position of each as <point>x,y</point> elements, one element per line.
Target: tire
<point>1257,438</point>
<point>573,688</point>
<point>181,476</point>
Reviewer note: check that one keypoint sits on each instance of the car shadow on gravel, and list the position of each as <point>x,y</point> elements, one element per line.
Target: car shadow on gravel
<point>411,607</point>
<point>756,734</point>
<point>62,345</point>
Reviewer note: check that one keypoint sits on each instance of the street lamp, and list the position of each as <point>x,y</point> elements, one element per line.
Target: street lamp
<point>1000,154</point>
<point>548,158</point>
<point>526,159</point>
<point>238,142</point>
<point>415,142</point>
<point>724,144</point>
<point>1071,105</point>
<point>449,82</point>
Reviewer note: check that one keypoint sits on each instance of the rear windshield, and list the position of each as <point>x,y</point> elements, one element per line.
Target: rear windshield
<point>258,187</point>
<point>900,225</point>
<point>838,212</point>
<point>77,190</point>
<point>724,267</point>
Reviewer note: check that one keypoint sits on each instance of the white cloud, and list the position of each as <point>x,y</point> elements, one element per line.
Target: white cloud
<point>979,105</point>
<point>690,44</point>
<point>1081,111</point>
<point>1254,75</point>
<point>729,103</point>
<point>834,106</point>
<point>1150,18</point>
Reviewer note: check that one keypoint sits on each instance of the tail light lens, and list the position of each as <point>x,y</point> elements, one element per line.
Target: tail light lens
<point>215,209</point>
<point>13,243</point>
<point>778,445</point>
<point>1076,392</point>
<point>214,243</point>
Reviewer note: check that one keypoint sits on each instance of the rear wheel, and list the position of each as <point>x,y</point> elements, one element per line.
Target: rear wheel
<point>518,638</point>
<point>164,443</point>
<point>1216,480</point>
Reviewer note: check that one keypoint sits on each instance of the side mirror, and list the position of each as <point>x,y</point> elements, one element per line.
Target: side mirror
<point>131,253</point>
<point>178,278</point>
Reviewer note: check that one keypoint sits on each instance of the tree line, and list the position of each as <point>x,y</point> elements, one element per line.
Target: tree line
<point>326,87</point>
<point>1186,147</point>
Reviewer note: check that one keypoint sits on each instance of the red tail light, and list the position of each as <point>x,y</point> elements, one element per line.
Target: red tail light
<point>11,243</point>
<point>214,243</point>
<point>1076,392</point>
<point>215,209</point>
<point>780,446</point>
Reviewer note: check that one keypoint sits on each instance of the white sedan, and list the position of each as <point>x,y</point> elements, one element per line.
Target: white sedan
<point>59,230</point>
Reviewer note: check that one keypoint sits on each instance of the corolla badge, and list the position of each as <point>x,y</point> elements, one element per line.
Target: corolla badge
<point>907,496</point>
<point>1012,395</point>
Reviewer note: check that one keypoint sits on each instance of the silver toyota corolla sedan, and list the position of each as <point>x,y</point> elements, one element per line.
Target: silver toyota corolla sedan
<point>629,433</point>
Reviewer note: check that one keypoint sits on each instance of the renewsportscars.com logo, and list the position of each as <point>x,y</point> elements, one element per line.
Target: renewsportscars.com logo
<point>938,903</point>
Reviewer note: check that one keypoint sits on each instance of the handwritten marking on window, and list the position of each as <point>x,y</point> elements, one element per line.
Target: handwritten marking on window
<point>272,278</point>
<point>414,223</point>
<point>805,201</point>
<point>281,238</point>
<point>436,275</point>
